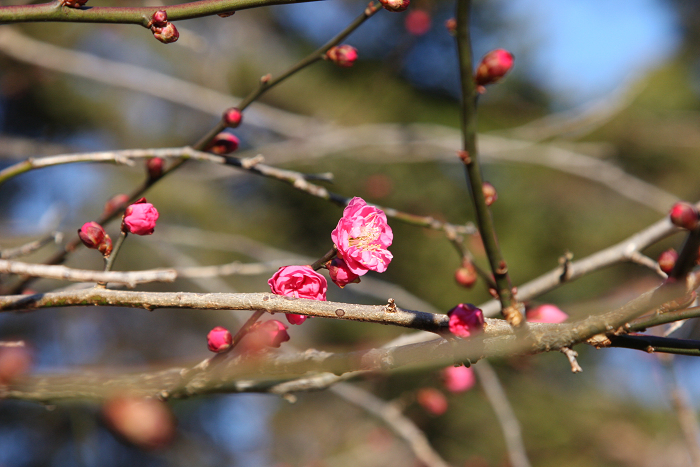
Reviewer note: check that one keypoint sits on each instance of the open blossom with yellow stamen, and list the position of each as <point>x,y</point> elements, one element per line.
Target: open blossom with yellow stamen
<point>362,238</point>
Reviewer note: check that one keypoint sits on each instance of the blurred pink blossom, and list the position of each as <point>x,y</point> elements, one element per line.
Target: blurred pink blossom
<point>466,320</point>
<point>458,378</point>
<point>219,339</point>
<point>546,314</point>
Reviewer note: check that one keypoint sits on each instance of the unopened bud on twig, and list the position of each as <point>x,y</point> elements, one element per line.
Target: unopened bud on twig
<point>493,67</point>
<point>223,143</point>
<point>154,166</point>
<point>342,55</point>
<point>160,18</point>
<point>395,5</point>
<point>684,215</point>
<point>219,339</point>
<point>466,275</point>
<point>667,260</point>
<point>232,117</point>
<point>94,236</point>
<point>226,14</point>
<point>490,195</point>
<point>166,34</point>
<point>140,218</point>
<point>114,203</point>
<point>73,3</point>
<point>451,26</point>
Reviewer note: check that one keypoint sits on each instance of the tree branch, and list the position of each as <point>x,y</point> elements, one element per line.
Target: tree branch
<point>56,12</point>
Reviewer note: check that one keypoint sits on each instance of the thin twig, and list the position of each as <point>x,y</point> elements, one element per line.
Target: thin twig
<point>391,415</point>
<point>571,355</point>
<point>684,411</point>
<point>470,157</point>
<point>504,412</point>
<point>130,279</point>
<point>56,12</point>
<point>31,247</point>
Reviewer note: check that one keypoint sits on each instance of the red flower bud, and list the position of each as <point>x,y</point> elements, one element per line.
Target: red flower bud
<point>154,166</point>
<point>490,195</point>
<point>166,34</point>
<point>114,203</point>
<point>451,26</point>
<point>342,55</point>
<point>667,260</point>
<point>417,22</point>
<point>432,400</point>
<point>684,215</point>
<point>493,66</point>
<point>223,143</point>
<point>147,423</point>
<point>14,361</point>
<point>140,218</point>
<point>160,18</point>
<point>94,237</point>
<point>73,3</point>
<point>458,378</point>
<point>466,320</point>
<point>466,275</point>
<point>395,5</point>
<point>340,274</point>
<point>219,339</point>
<point>232,117</point>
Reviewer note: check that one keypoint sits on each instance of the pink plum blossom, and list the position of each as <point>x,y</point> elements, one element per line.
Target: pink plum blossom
<point>466,320</point>
<point>546,314</point>
<point>219,339</point>
<point>362,238</point>
<point>342,55</point>
<point>140,218</point>
<point>340,274</point>
<point>458,378</point>
<point>298,282</point>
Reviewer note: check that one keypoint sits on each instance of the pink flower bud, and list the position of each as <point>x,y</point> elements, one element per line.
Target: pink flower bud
<point>458,378</point>
<point>417,22</point>
<point>146,423</point>
<point>342,55</point>
<point>223,143</point>
<point>154,166</point>
<point>264,335</point>
<point>466,320</point>
<point>94,236</point>
<point>293,318</point>
<point>340,273</point>
<point>395,5</point>
<point>667,260</point>
<point>546,314</point>
<point>115,203</point>
<point>219,339</point>
<point>493,66</point>
<point>684,215</point>
<point>73,3</point>
<point>166,34</point>
<point>432,400</point>
<point>140,218</point>
<point>232,117</point>
<point>490,195</point>
<point>298,282</point>
<point>160,18</point>
<point>466,275</point>
<point>451,26</point>
<point>14,362</point>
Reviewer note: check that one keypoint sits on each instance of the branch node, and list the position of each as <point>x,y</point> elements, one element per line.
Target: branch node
<point>571,355</point>
<point>390,307</point>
